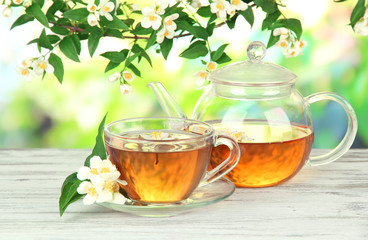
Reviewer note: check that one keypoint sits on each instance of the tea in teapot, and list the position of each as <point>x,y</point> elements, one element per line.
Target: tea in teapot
<point>258,105</point>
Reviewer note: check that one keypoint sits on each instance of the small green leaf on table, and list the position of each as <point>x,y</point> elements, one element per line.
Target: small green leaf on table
<point>69,192</point>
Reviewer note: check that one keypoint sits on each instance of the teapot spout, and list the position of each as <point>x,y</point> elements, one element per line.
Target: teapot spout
<point>167,102</point>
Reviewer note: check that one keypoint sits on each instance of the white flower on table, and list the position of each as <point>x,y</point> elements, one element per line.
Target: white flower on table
<point>150,18</point>
<point>40,66</point>
<point>220,7</point>
<point>103,185</point>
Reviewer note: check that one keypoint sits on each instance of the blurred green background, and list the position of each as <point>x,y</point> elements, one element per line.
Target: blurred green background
<point>43,113</point>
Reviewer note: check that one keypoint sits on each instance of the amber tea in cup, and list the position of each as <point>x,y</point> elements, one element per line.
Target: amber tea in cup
<point>163,160</point>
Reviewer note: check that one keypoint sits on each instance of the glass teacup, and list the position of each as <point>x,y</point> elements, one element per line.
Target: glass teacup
<point>163,160</point>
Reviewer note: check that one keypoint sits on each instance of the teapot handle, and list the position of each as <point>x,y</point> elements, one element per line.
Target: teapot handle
<point>350,134</point>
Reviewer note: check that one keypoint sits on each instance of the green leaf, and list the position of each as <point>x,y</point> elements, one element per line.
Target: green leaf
<point>231,23</point>
<point>290,23</point>
<point>60,30</point>
<point>195,50</point>
<point>111,65</point>
<point>22,20</point>
<point>272,40</point>
<point>270,19</point>
<point>196,31</point>
<point>57,5</point>
<point>268,6</point>
<point>35,11</point>
<point>99,148</point>
<point>43,41</point>
<point>69,192</point>
<point>223,59</point>
<point>116,23</point>
<point>77,43</point>
<point>151,40</point>
<point>78,14</point>
<point>134,70</point>
<point>53,38</point>
<point>139,30</point>
<point>165,47</point>
<point>115,57</point>
<point>357,13</point>
<point>56,62</point>
<point>210,28</point>
<point>218,53</point>
<point>204,11</point>
<point>68,47</point>
<point>40,2</point>
<point>248,15</point>
<point>141,52</point>
<point>94,39</point>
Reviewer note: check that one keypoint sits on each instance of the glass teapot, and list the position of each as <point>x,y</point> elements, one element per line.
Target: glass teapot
<point>258,105</point>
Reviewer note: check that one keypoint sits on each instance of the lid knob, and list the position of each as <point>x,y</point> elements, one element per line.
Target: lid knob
<point>256,51</point>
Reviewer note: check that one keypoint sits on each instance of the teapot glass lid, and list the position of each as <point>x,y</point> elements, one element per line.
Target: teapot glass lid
<point>253,72</point>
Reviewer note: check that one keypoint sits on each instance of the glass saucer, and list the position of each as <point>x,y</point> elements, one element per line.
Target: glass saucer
<point>201,197</point>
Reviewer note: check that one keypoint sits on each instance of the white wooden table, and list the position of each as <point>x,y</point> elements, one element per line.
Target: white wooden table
<point>326,202</point>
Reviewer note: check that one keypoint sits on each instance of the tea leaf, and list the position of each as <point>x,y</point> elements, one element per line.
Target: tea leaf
<point>196,49</point>
<point>134,69</point>
<point>99,148</point>
<point>165,47</point>
<point>204,11</point>
<point>94,39</point>
<point>43,41</point>
<point>111,65</point>
<point>76,14</point>
<point>56,62</point>
<point>248,15</point>
<point>267,5</point>
<point>68,47</point>
<point>223,59</point>
<point>116,57</point>
<point>272,40</point>
<point>218,53</point>
<point>290,23</point>
<point>357,13</point>
<point>270,19</point>
<point>116,23</point>
<point>35,11</point>
<point>22,20</point>
<point>69,192</point>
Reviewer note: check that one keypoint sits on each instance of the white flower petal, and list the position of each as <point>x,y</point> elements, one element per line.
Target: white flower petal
<point>83,187</point>
<point>95,162</point>
<point>146,23</point>
<point>84,173</point>
<point>89,200</point>
<point>118,198</point>
<point>108,16</point>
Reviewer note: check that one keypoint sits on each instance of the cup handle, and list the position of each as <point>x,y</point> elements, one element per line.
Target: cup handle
<point>350,134</point>
<point>226,166</point>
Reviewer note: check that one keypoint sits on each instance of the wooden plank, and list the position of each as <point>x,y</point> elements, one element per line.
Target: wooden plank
<point>325,202</point>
